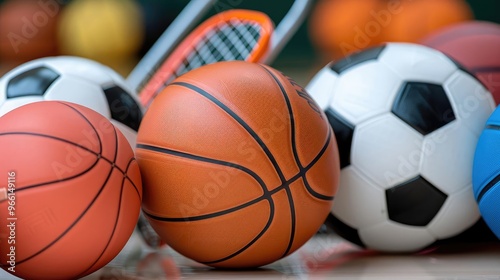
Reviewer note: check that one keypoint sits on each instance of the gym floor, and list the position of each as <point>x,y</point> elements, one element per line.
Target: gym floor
<point>325,256</point>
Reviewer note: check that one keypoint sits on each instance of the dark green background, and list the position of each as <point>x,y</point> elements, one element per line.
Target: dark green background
<point>299,58</point>
<point>300,47</point>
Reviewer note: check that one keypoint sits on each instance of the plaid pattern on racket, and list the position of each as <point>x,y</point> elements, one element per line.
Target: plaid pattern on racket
<point>230,35</point>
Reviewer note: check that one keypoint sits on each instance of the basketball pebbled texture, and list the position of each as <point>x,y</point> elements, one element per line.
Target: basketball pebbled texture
<point>486,173</point>
<point>77,190</point>
<point>239,165</point>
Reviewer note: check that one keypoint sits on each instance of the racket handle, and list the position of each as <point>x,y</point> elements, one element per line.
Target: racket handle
<point>182,24</point>
<point>287,28</point>
<point>147,232</point>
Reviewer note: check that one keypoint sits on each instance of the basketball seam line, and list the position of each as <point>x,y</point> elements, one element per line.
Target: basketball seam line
<point>238,119</point>
<point>206,216</point>
<point>234,209</point>
<point>113,167</point>
<point>302,171</point>
<point>72,225</point>
<point>316,159</point>
<point>53,181</point>
<point>294,146</point>
<point>213,161</point>
<point>99,156</point>
<point>88,122</point>
<point>90,204</point>
<point>496,179</point>
<point>284,183</point>
<point>51,137</point>
<point>117,215</point>
<point>488,187</point>
<point>128,178</point>
<point>266,196</point>
<point>297,161</point>
<point>261,233</point>
<point>482,69</point>
<point>256,177</point>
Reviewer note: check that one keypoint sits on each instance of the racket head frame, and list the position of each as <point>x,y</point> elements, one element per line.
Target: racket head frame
<point>165,44</point>
<point>230,35</point>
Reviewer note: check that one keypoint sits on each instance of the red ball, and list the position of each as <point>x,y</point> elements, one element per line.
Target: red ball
<point>475,45</point>
<point>70,191</point>
<point>28,30</point>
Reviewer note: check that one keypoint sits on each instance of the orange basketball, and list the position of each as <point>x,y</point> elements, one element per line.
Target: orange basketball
<point>237,164</point>
<point>70,191</point>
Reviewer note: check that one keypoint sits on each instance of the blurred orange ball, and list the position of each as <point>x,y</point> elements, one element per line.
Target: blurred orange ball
<point>28,29</point>
<point>419,18</point>
<point>339,27</point>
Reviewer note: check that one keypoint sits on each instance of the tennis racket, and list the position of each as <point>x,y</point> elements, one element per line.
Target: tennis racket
<point>177,30</point>
<point>230,35</point>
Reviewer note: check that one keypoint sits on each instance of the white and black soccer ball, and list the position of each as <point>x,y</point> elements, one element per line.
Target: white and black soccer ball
<point>407,119</point>
<point>76,80</point>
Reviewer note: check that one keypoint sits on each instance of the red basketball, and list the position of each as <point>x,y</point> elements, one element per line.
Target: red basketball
<point>476,45</point>
<point>70,191</point>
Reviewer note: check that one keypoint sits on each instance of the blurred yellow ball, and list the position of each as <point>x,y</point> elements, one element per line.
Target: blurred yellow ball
<point>108,31</point>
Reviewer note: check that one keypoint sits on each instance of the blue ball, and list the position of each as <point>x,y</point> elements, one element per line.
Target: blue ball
<point>486,172</point>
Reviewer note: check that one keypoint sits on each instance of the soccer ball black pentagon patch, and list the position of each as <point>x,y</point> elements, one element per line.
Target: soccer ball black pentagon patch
<point>414,202</point>
<point>77,80</point>
<point>406,133</point>
<point>423,106</point>
<point>33,82</point>
<point>343,133</point>
<point>123,107</point>
<point>356,58</point>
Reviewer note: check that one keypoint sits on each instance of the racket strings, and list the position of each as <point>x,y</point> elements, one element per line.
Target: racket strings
<point>232,40</point>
